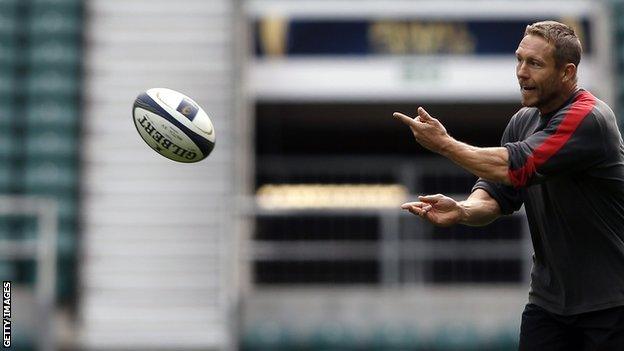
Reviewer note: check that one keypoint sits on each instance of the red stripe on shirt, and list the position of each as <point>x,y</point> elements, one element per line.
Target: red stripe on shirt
<point>579,109</point>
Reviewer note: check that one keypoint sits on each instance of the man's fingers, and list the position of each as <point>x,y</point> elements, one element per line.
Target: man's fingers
<point>424,115</point>
<point>407,205</point>
<point>432,199</point>
<point>416,207</point>
<point>417,211</point>
<point>405,119</point>
<point>415,123</point>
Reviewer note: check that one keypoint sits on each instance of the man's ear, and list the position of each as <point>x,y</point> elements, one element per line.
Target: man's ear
<point>569,72</point>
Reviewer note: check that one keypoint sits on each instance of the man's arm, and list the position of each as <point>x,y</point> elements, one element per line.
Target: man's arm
<point>477,210</point>
<point>489,163</point>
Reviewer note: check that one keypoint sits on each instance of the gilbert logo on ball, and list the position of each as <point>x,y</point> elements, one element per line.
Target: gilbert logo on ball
<point>173,125</point>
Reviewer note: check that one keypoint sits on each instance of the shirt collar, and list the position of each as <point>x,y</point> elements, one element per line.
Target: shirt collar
<point>566,103</point>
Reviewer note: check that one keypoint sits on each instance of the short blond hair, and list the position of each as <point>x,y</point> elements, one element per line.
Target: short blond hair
<point>562,37</point>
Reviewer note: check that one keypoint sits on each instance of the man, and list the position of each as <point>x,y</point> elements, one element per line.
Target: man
<point>562,157</point>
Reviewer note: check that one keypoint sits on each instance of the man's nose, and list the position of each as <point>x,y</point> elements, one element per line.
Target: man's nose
<point>521,71</point>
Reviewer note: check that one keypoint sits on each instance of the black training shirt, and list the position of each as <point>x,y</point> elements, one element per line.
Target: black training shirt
<point>567,168</point>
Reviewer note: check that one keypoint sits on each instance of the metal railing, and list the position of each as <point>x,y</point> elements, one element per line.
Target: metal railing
<point>43,251</point>
<point>403,251</point>
<point>393,249</point>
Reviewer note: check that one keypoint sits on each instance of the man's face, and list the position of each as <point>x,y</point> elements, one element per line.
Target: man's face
<point>539,78</point>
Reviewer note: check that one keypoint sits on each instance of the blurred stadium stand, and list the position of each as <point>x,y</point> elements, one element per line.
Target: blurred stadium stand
<point>289,236</point>
<point>40,64</point>
<point>332,268</point>
<point>157,235</point>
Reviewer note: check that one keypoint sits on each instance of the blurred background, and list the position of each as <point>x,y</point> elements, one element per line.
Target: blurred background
<point>289,236</point>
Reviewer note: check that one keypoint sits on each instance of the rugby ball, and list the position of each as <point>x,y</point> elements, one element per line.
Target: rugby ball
<point>173,125</point>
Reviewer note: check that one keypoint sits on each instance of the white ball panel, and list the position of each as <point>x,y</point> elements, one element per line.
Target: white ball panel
<point>165,138</point>
<point>170,99</point>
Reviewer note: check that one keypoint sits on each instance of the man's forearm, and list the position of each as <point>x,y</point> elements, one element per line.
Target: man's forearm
<point>490,163</point>
<point>479,209</point>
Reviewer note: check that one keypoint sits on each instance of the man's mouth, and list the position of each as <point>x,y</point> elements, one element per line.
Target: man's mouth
<point>527,88</point>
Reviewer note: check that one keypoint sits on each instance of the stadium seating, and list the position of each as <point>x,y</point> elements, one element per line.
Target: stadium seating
<point>269,335</point>
<point>333,335</point>
<point>395,337</point>
<point>8,20</point>
<point>51,114</point>
<point>54,52</point>
<point>6,110</point>
<point>40,73</point>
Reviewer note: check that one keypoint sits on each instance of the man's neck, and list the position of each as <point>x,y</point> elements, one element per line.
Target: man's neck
<point>559,100</point>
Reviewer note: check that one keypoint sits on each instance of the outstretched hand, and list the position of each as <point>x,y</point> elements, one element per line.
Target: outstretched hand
<point>438,209</point>
<point>428,131</point>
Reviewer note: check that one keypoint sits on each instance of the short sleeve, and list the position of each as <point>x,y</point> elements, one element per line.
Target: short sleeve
<point>571,141</point>
<point>508,198</point>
